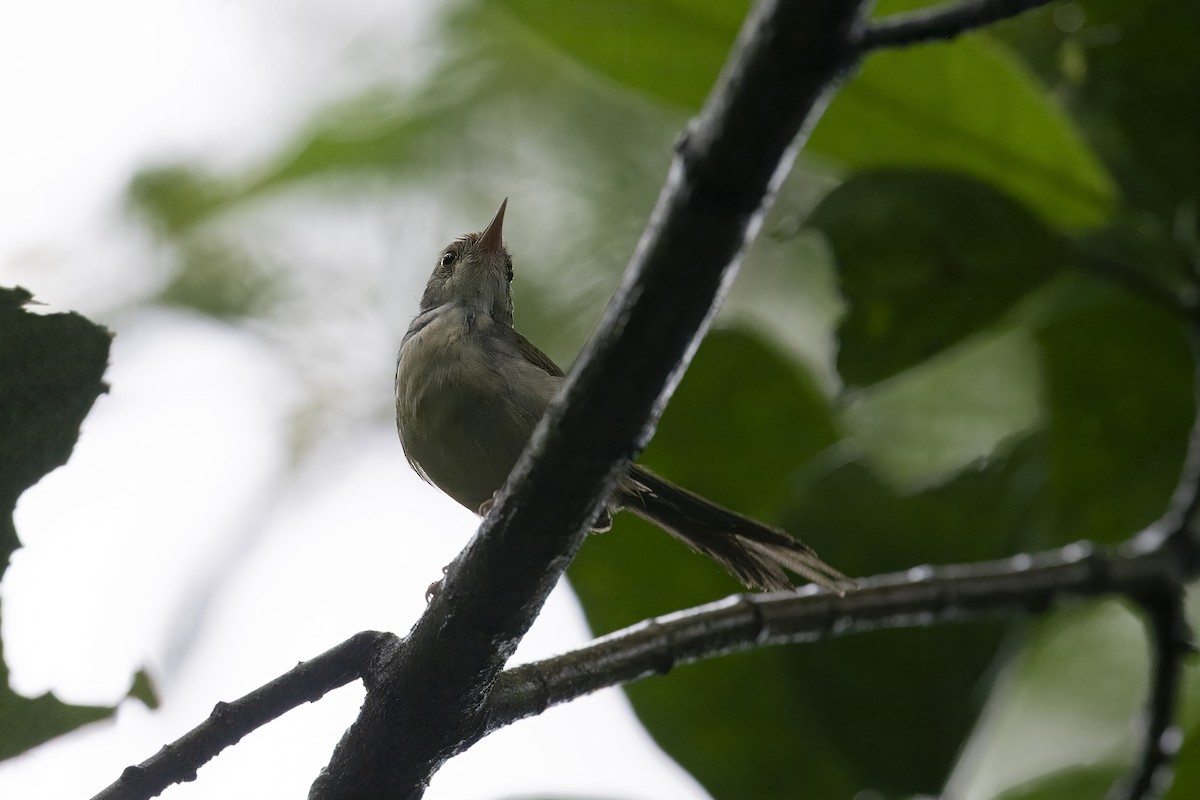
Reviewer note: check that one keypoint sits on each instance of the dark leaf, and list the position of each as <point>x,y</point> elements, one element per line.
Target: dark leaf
<point>1119,404</point>
<point>925,260</point>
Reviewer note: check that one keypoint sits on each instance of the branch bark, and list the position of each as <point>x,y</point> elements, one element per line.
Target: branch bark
<point>1026,584</point>
<point>428,702</point>
<point>178,761</point>
<point>942,22</point>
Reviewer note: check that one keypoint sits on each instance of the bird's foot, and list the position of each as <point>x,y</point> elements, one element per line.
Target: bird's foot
<point>486,505</point>
<point>436,586</point>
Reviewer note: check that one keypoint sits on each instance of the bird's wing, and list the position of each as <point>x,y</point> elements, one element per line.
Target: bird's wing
<point>530,352</point>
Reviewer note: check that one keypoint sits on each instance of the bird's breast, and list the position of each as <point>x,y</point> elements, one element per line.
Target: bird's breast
<point>454,410</point>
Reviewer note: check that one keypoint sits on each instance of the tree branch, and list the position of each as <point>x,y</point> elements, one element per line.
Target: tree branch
<point>426,704</point>
<point>940,22</point>
<point>916,598</point>
<point>1171,641</point>
<point>178,761</point>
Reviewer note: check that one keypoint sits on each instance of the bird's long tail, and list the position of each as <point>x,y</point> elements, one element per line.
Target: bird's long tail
<point>754,553</point>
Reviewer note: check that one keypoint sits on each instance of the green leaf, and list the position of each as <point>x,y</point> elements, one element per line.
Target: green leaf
<point>954,410</point>
<point>924,260</point>
<point>27,722</point>
<point>1078,683</point>
<point>828,719</point>
<point>51,368</point>
<point>967,107</point>
<point>670,50</point>
<point>872,692</point>
<point>1186,784</point>
<point>1141,80</point>
<point>1119,402</point>
<point>144,690</point>
<point>741,425</point>
<point>1074,783</point>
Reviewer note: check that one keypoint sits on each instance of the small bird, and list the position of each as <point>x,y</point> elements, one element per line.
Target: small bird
<point>470,390</point>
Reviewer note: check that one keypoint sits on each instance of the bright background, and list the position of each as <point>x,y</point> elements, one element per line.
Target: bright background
<point>190,572</point>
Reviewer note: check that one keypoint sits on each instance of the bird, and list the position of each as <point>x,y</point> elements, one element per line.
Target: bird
<point>470,389</point>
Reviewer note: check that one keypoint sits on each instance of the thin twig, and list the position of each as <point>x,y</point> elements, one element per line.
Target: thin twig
<point>940,22</point>
<point>178,761</point>
<point>916,598</point>
<point>1170,641</point>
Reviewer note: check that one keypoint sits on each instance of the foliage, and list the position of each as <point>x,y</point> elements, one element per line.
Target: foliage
<point>996,386</point>
<point>52,367</point>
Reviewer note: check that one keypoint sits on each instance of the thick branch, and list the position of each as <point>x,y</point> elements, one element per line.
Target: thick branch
<point>428,703</point>
<point>940,22</point>
<point>917,598</point>
<point>178,761</point>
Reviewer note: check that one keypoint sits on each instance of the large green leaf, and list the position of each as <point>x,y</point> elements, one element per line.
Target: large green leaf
<point>668,49</point>
<point>1079,683</point>
<point>742,423</point>
<point>924,260</point>
<point>1085,782</point>
<point>829,719</point>
<point>953,411</point>
<point>1129,72</point>
<point>898,704</point>
<point>51,368</point>
<point>968,107</point>
<point>1119,402</point>
<point>1143,74</point>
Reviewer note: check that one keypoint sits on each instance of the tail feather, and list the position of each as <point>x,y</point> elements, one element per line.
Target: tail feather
<point>754,553</point>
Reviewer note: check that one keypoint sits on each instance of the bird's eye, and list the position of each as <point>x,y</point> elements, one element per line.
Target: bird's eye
<point>510,271</point>
<point>448,258</point>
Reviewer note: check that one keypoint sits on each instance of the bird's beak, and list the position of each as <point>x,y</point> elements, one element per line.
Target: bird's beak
<point>492,238</point>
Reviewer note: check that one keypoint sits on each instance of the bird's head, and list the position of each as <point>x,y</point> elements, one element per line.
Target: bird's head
<point>476,270</point>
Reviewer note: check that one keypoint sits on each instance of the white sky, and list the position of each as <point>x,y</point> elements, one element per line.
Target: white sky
<point>191,572</point>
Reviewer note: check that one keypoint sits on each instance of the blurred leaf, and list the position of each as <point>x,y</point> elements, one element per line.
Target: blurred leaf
<point>144,690</point>
<point>925,259</point>
<point>916,107</point>
<point>742,422</point>
<point>748,419</point>
<point>967,107</point>
<point>1066,702</point>
<point>27,722</point>
<point>173,197</point>
<point>1186,784</point>
<point>955,409</point>
<point>1142,80</point>
<point>873,692</point>
<point>669,49</point>
<point>51,370</point>
<point>826,719</point>
<point>221,280</point>
<point>1119,402</point>
<point>1123,70</point>
<point>865,526</point>
<point>1075,783</point>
